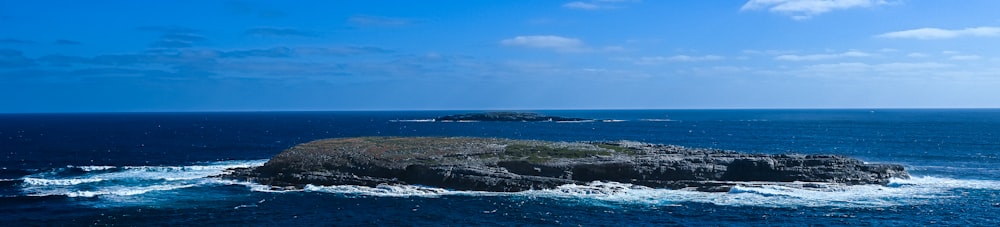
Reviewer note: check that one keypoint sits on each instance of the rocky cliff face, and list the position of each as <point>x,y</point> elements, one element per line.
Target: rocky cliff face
<point>501,165</point>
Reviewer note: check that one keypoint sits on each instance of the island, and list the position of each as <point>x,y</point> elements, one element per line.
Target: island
<point>506,116</point>
<point>506,165</point>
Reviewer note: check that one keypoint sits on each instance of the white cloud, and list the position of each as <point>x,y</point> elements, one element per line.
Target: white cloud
<point>817,57</point>
<point>938,33</point>
<point>917,55</point>
<point>581,5</point>
<point>805,9</point>
<point>597,4</point>
<point>614,48</point>
<point>966,57</point>
<point>695,58</point>
<point>552,42</point>
<point>768,52</point>
<point>905,66</point>
<point>869,70</point>
<point>655,60</point>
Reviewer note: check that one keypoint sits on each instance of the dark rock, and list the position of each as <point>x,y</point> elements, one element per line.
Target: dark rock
<point>483,164</point>
<point>506,116</point>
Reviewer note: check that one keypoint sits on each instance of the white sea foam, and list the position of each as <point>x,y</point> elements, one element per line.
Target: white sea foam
<point>126,180</point>
<point>580,121</point>
<point>124,191</point>
<point>941,183</point>
<point>64,182</point>
<point>121,182</point>
<point>253,186</point>
<point>916,190</point>
<point>898,192</point>
<point>93,168</point>
<point>765,195</point>
<point>657,119</point>
<point>414,120</point>
<point>384,190</point>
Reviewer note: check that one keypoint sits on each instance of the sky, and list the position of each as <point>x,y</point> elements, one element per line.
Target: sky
<point>195,55</point>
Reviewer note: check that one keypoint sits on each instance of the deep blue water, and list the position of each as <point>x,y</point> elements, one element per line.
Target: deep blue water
<point>153,168</point>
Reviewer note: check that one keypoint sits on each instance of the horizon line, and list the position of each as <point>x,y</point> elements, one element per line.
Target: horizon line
<point>502,109</point>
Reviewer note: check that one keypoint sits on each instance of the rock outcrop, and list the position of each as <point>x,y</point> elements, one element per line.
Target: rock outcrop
<point>506,116</point>
<point>485,164</point>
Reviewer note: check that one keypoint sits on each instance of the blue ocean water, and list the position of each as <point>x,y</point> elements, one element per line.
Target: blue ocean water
<point>155,168</point>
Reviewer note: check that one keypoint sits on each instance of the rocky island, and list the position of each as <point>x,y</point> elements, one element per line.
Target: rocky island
<point>506,116</point>
<point>503,165</point>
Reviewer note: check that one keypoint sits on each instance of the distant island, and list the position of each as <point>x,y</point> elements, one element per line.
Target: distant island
<point>506,116</point>
<point>504,165</point>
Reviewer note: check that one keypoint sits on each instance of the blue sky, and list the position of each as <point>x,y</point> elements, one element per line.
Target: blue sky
<point>111,56</point>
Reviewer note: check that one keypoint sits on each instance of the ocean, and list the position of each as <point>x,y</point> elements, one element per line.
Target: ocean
<point>155,169</point>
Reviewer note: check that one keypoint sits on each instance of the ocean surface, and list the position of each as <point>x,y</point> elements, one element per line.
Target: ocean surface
<point>156,168</point>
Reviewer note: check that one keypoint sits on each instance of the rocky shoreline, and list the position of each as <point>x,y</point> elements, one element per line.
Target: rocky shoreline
<point>502,165</point>
<point>506,116</point>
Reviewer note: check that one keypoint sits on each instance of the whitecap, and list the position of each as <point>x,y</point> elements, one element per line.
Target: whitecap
<point>127,180</point>
<point>64,182</point>
<point>916,190</point>
<point>942,183</point>
<point>580,121</point>
<point>93,168</point>
<point>657,119</point>
<point>124,191</point>
<point>414,120</point>
<point>383,190</point>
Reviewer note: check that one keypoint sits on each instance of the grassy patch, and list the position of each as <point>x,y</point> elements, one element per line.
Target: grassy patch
<point>616,148</point>
<point>542,153</point>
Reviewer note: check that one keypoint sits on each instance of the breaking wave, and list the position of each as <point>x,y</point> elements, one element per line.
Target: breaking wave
<point>92,181</point>
<point>124,181</point>
<point>917,190</point>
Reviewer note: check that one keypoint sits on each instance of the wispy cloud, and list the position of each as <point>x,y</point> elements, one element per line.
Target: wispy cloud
<point>597,4</point>
<point>272,31</point>
<point>817,57</point>
<point>938,33</point>
<point>768,52</point>
<point>341,51</point>
<point>66,42</point>
<point>276,52</point>
<point>965,57</point>
<point>104,72</point>
<point>168,29</point>
<point>170,44</point>
<point>657,60</point>
<point>374,21</point>
<point>581,5</point>
<point>867,71</point>
<point>16,41</point>
<point>174,36</point>
<point>10,58</point>
<point>551,42</point>
<point>805,9</point>
<point>274,62</point>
